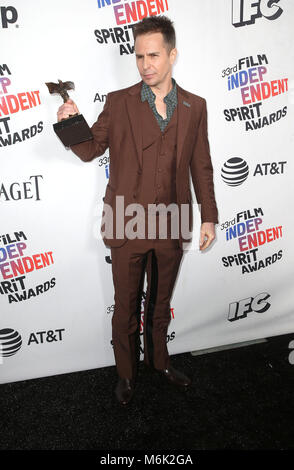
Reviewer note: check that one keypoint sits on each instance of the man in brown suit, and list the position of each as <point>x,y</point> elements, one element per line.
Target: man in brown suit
<point>156,131</point>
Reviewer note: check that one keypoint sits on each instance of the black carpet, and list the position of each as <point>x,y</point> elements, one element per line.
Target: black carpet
<point>239,399</point>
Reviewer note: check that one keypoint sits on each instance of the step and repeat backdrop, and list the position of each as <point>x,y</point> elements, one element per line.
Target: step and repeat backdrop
<point>56,291</point>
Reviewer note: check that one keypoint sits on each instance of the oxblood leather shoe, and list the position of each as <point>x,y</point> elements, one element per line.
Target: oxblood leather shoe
<point>124,390</point>
<point>175,377</point>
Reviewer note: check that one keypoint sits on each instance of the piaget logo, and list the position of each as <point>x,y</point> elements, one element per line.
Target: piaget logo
<point>17,191</point>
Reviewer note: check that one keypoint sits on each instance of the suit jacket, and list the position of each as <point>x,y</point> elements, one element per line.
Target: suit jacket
<point>119,128</point>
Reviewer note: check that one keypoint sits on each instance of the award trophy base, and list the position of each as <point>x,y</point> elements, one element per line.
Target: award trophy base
<point>73,130</point>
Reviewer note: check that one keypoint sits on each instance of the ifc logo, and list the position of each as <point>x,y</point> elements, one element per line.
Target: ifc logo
<point>10,342</point>
<point>235,171</point>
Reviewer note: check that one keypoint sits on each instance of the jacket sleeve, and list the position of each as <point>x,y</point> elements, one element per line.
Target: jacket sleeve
<point>97,146</point>
<point>202,172</point>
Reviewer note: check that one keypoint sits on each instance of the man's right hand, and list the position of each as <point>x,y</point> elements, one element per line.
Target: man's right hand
<point>67,109</point>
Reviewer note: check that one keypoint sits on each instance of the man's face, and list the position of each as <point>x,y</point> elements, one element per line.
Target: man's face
<point>153,60</point>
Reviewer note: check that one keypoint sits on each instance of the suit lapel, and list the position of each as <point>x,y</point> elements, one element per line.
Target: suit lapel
<point>133,103</point>
<point>184,116</point>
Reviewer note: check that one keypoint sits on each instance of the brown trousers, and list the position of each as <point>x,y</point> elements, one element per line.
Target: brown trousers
<point>162,259</point>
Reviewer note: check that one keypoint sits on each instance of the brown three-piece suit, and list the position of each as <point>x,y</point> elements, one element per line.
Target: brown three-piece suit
<point>148,166</point>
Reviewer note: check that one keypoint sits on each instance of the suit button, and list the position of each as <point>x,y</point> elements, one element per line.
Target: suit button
<point>159,169</point>
<point>158,186</point>
<point>139,172</point>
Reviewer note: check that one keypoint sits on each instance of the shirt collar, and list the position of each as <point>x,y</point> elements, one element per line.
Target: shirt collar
<point>147,94</point>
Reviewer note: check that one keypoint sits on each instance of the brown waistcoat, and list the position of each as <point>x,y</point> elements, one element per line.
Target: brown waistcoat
<point>159,159</point>
<point>159,164</point>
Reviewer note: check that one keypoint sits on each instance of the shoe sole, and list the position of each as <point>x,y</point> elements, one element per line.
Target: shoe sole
<point>124,403</point>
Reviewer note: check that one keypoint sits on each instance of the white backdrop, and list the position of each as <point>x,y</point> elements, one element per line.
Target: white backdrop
<point>56,292</point>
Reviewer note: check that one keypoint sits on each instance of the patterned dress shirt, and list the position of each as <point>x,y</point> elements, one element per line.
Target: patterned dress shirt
<point>171,101</point>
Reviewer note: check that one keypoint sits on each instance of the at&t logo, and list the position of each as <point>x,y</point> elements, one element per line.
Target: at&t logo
<point>10,342</point>
<point>235,171</point>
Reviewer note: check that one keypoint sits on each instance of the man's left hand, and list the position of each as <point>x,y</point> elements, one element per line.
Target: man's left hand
<point>207,235</point>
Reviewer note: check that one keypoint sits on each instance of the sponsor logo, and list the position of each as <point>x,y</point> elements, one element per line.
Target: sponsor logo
<point>8,17</point>
<point>248,78</point>
<point>236,170</point>
<point>15,266</point>
<point>269,168</point>
<point>104,162</point>
<point>13,103</point>
<point>247,230</point>
<point>126,14</point>
<point>46,336</point>
<point>245,12</point>
<point>19,191</point>
<point>240,308</point>
<point>10,342</point>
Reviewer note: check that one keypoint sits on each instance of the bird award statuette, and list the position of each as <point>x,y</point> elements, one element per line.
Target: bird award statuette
<point>74,129</point>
